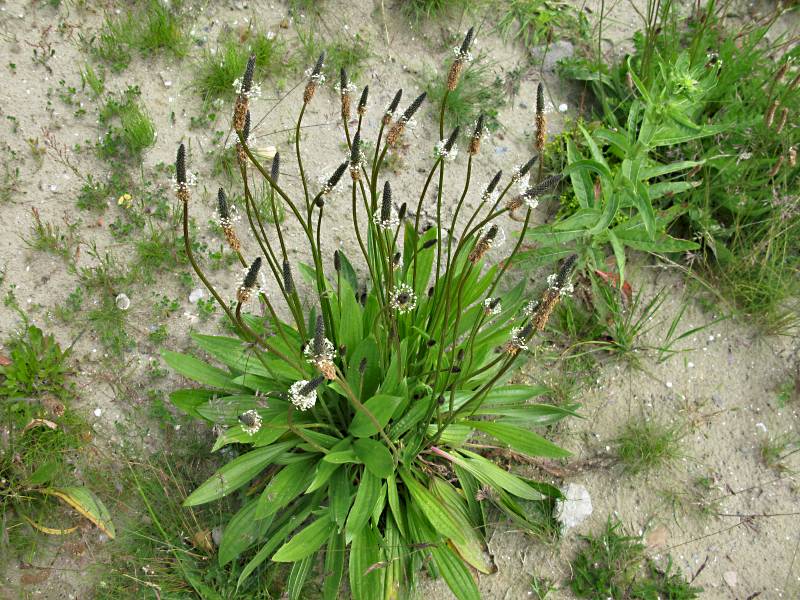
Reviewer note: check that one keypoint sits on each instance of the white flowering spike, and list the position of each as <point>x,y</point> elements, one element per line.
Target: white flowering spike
<point>191,181</point>
<point>301,396</point>
<point>250,421</point>
<point>445,154</point>
<point>530,308</point>
<point>403,299</point>
<point>327,353</point>
<point>465,56</point>
<point>518,341</point>
<point>255,89</point>
<point>389,223</point>
<point>492,307</point>
<point>317,78</point>
<point>565,290</point>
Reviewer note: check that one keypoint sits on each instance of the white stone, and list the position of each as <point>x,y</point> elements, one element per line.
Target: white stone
<point>195,295</point>
<point>576,506</point>
<point>123,302</point>
<point>562,108</point>
<point>730,578</point>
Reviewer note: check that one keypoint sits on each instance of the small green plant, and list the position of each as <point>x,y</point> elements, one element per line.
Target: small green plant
<point>693,498</point>
<point>742,209</point>
<point>479,92</point>
<point>351,422</point>
<point>218,71</point>
<point>9,177</point>
<point>349,53</point>
<point>775,450</point>
<point>130,129</point>
<point>534,22</point>
<point>614,566</point>
<point>418,11</point>
<point>94,80</point>
<point>645,445</point>
<point>42,439</point>
<point>53,239</point>
<point>153,27</point>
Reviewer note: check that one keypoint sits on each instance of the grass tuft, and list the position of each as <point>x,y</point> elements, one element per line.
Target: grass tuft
<point>613,566</point>
<point>646,445</point>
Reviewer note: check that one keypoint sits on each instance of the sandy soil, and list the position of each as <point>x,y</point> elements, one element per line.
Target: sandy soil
<point>723,390</point>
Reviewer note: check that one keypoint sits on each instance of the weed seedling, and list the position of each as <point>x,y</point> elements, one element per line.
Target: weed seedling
<point>645,445</point>
<point>613,566</point>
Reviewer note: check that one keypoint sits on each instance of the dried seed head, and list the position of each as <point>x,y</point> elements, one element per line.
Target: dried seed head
<point>315,78</point>
<point>337,261</point>
<point>781,72</point>
<point>275,171</point>
<point>248,285</point>
<point>429,244</point>
<point>226,220</point>
<point>392,108</point>
<point>344,93</point>
<point>462,56</point>
<point>288,280</point>
<point>401,214</point>
<point>362,102</point>
<point>795,83</point>
<point>397,260</point>
<point>793,156</point>
<point>454,74</point>
<point>484,243</point>
<point>770,114</point>
<point>477,136</point>
<point>362,366</point>
<point>777,167</point>
<point>782,121</point>
<point>395,132</point>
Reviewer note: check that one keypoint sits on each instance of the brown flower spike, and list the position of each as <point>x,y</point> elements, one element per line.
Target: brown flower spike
<point>462,56</point>
<point>315,78</point>
<point>242,106</point>
<point>226,222</point>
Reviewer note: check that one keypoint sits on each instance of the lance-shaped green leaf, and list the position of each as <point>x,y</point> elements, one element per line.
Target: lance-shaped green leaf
<point>236,473</point>
<point>306,541</point>
<point>520,439</point>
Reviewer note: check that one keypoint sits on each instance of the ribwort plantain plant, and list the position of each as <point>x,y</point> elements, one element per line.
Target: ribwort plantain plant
<point>358,421</point>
